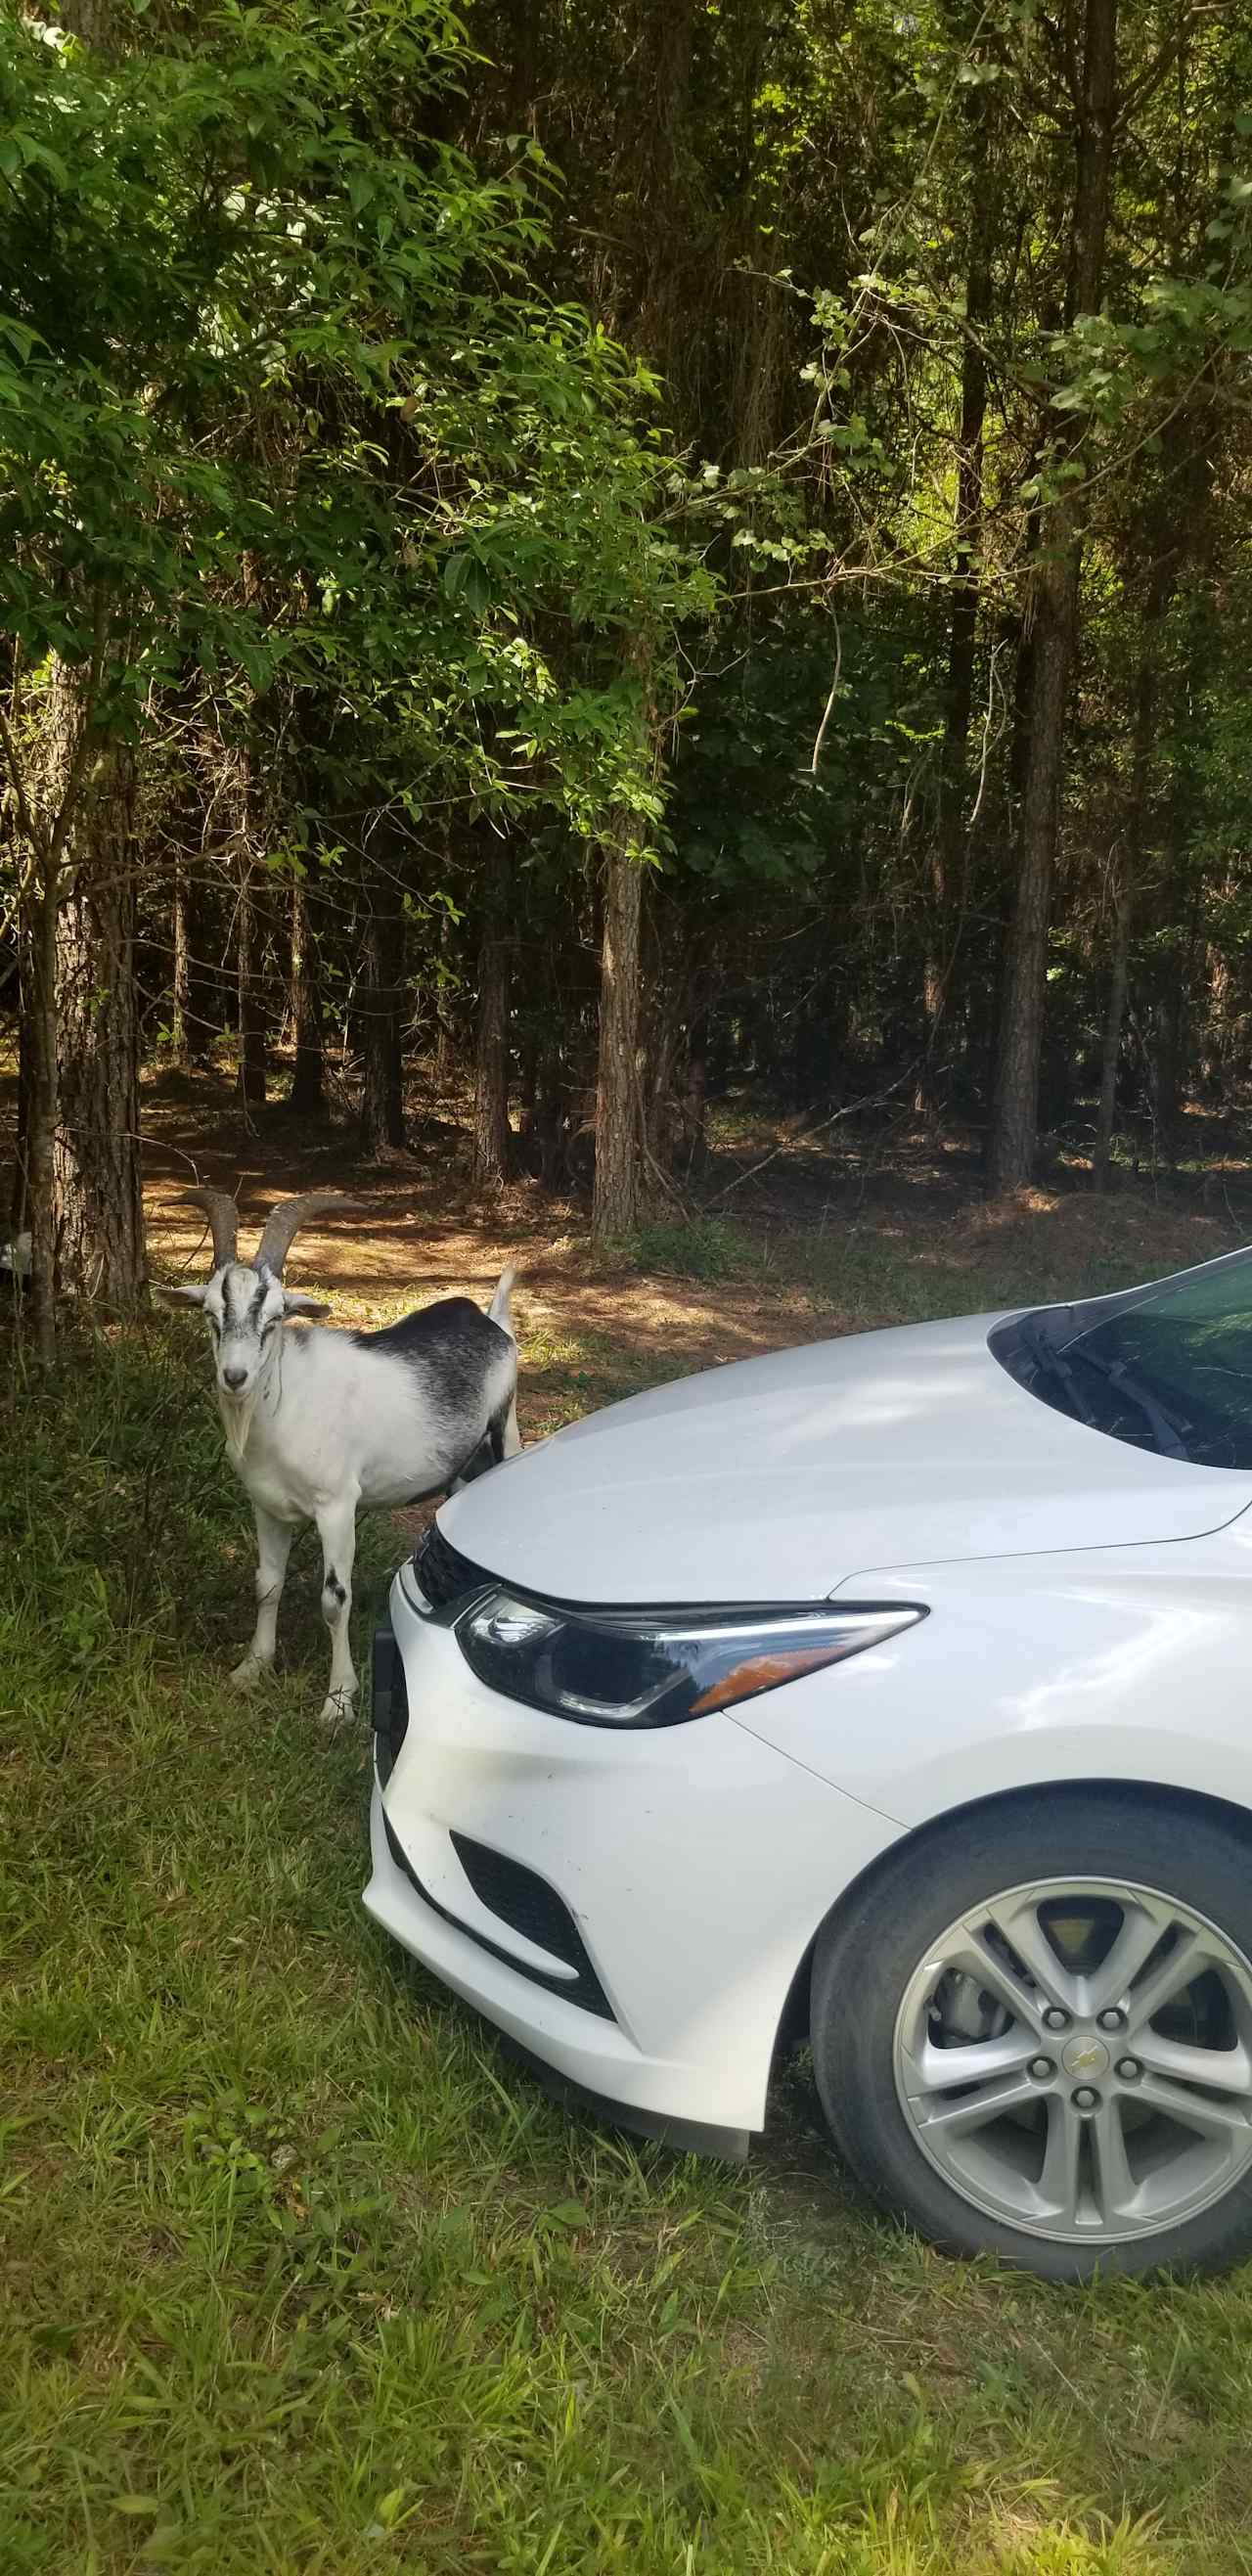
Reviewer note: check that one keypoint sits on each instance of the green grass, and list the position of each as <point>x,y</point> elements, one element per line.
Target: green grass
<point>901,1268</point>
<point>297,2274</point>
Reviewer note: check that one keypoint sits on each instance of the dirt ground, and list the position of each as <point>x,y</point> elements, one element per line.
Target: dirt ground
<point>838,1234</point>
<point>419,1231</point>
<point>844,1230</point>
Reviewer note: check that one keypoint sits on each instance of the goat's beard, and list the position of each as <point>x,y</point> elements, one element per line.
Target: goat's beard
<point>237,1415</point>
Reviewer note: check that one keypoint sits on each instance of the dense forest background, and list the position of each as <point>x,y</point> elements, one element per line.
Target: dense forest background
<point>615,548</point>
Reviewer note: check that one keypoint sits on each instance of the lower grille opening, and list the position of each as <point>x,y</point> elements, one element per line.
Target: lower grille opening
<point>389,1701</point>
<point>524,1900</point>
<point>584,1988</point>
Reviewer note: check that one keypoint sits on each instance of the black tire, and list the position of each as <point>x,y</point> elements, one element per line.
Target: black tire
<point>871,1947</point>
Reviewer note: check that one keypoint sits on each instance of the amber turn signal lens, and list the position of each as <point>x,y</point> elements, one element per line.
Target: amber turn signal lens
<point>762,1673</point>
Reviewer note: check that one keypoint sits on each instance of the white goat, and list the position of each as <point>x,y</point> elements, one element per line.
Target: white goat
<point>319,1422</point>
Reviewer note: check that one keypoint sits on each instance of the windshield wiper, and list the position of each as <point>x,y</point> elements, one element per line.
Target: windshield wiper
<point>1051,1362</point>
<point>1166,1431</point>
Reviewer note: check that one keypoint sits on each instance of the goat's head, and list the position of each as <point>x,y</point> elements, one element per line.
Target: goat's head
<point>245,1303</point>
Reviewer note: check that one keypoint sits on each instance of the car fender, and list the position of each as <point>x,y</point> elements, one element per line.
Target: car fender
<point>1131,1663</point>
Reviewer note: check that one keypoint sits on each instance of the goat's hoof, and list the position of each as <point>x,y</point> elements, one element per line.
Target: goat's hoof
<point>246,1675</point>
<point>336,1710</point>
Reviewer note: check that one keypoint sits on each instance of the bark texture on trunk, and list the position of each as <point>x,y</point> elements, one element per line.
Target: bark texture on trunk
<point>191,1027</point>
<point>19,1191</point>
<point>1111,1044</point>
<point>250,958</point>
<point>382,1035</point>
<point>492,1135</point>
<point>1131,861</point>
<point>308,1077</point>
<point>97,1195</point>
<point>181,941</point>
<point>1054,636</point>
<point>947,867</point>
<point>615,1203</point>
<point>40,1034</point>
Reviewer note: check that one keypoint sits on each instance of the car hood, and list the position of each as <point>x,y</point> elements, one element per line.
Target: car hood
<point>777,1479</point>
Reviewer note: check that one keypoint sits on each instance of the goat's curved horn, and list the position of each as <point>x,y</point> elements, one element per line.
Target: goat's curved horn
<point>223,1216</point>
<point>283,1223</point>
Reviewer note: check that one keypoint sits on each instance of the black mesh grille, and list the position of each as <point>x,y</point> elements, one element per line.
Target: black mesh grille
<point>584,1989</point>
<point>443,1573</point>
<point>534,1909</point>
<point>389,1701</point>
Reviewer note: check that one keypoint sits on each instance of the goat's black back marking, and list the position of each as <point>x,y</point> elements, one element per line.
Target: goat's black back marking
<point>450,1344</point>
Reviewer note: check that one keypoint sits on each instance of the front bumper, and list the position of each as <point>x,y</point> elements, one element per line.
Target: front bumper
<point>693,1863</point>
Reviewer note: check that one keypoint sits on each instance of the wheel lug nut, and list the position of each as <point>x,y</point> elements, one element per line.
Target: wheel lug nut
<point>1086,2099</point>
<point>1128,2069</point>
<point>1111,2019</point>
<point>1055,2019</point>
<point>1041,2068</point>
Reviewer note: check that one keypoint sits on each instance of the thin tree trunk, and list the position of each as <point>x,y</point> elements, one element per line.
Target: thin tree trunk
<point>615,1203</point>
<point>1015,1115</point>
<point>492,1135</point>
<point>250,954</point>
<point>308,1095</point>
<point>19,1194</point>
<point>191,1028</point>
<point>98,1200</point>
<point>41,1031</point>
<point>1111,1048</point>
<point>382,1093</point>
<point>445,1027</point>
<point>1131,867</point>
<point>946,868</point>
<point>181,1019</point>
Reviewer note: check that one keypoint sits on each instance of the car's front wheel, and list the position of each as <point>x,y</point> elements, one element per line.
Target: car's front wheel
<point>1032,2034</point>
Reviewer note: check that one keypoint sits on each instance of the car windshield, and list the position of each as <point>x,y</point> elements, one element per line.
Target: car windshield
<point>1166,1368</point>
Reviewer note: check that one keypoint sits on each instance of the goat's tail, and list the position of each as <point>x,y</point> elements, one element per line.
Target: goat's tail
<point>500,1310</point>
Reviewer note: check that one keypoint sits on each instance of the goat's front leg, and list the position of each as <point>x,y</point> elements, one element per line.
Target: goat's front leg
<point>336,1528</point>
<point>273,1545</point>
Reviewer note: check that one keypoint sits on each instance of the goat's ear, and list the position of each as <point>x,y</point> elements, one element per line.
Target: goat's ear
<point>295,1304</point>
<point>182,1296</point>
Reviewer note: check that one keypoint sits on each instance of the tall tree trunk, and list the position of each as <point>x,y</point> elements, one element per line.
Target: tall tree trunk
<point>946,867</point>
<point>252,1013</point>
<point>615,1203</point>
<point>1111,1046</point>
<point>181,937</point>
<point>190,1028</point>
<point>307,1097</point>
<point>1130,864</point>
<point>491,1062</point>
<point>382,1092</point>
<point>250,955</point>
<point>1015,1112</point>
<point>40,1035</point>
<point>445,1012</point>
<point>19,1193</point>
<point>98,1200</point>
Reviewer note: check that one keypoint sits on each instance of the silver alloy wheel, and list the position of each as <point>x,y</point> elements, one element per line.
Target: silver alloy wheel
<point>1074,2057</point>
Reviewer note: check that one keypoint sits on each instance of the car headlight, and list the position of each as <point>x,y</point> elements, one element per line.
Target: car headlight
<point>656,1667</point>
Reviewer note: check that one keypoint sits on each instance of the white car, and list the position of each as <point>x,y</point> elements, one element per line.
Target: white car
<point>896,1693</point>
